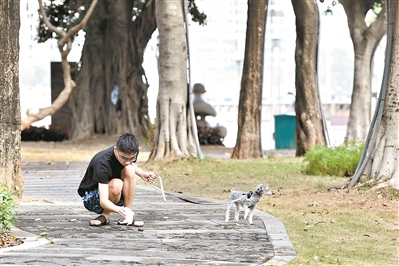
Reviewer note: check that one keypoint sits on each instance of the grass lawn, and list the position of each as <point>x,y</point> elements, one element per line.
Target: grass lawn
<point>342,227</point>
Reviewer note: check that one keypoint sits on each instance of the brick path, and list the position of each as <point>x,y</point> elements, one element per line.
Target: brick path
<point>176,232</point>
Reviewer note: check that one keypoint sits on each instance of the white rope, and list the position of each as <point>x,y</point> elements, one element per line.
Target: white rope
<point>161,189</point>
<point>164,199</point>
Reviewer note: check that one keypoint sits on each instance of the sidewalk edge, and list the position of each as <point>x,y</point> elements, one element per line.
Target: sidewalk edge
<point>30,240</point>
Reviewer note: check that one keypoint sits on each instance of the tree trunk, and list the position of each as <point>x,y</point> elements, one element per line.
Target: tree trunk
<point>309,124</point>
<point>382,165</point>
<point>111,63</point>
<point>173,135</point>
<point>10,113</point>
<point>250,106</point>
<point>365,40</point>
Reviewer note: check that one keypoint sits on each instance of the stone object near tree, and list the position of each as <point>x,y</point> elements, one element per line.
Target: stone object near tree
<point>207,134</point>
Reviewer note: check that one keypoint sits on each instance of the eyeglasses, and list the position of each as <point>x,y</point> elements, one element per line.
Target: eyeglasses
<point>124,159</point>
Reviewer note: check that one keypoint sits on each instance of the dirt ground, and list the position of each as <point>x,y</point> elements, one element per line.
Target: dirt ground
<point>84,150</point>
<point>90,145</point>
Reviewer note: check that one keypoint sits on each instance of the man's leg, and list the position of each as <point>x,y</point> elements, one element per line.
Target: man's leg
<point>114,195</point>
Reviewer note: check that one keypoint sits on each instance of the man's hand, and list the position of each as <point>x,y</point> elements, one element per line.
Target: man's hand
<point>149,177</point>
<point>122,212</point>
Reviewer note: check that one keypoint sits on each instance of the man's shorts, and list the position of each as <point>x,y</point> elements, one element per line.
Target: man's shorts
<point>91,201</point>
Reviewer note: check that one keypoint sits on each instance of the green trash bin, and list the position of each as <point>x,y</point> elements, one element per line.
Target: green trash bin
<point>284,131</point>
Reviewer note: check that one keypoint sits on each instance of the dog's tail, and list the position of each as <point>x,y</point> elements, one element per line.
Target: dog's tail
<point>232,189</point>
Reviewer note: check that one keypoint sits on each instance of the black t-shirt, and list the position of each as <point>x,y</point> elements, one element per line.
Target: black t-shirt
<point>102,168</point>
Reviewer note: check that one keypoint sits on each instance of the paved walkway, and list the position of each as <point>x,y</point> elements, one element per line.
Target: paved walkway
<point>183,230</point>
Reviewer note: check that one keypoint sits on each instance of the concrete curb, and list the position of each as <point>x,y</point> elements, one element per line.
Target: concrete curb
<point>284,251</point>
<point>30,240</point>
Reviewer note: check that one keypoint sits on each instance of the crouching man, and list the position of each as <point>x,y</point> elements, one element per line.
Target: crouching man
<point>109,183</point>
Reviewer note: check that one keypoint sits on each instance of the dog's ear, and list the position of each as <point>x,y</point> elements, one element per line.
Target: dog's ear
<point>249,194</point>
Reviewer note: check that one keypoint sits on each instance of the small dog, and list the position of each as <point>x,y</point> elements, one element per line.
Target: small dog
<point>246,201</point>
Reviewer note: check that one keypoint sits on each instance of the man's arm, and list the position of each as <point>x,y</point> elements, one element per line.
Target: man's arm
<point>106,204</point>
<point>146,176</point>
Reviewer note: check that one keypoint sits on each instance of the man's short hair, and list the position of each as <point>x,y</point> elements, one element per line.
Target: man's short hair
<point>128,143</point>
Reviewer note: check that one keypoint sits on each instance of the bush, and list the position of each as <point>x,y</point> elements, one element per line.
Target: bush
<point>8,212</point>
<point>339,161</point>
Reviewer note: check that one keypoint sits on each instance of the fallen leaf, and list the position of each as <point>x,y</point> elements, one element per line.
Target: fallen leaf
<point>43,234</point>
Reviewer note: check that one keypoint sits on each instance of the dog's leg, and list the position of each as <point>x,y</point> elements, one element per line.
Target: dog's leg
<point>251,214</point>
<point>227,213</point>
<point>246,212</point>
<point>237,213</point>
